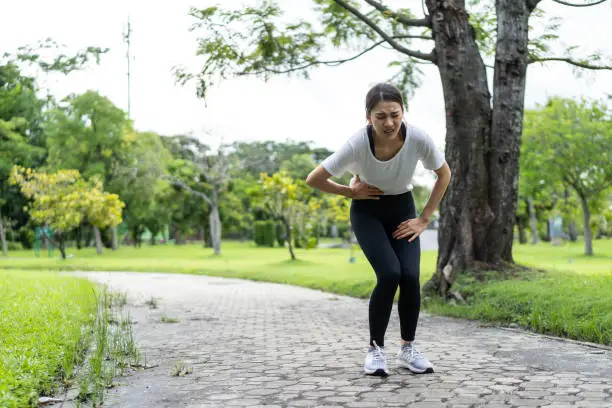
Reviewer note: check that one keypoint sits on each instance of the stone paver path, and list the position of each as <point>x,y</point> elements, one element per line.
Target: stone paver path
<point>254,344</point>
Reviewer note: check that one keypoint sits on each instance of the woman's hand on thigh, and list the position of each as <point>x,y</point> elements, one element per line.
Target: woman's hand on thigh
<point>410,228</point>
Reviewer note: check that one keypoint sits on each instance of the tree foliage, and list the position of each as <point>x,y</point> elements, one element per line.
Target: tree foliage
<point>64,199</point>
<point>570,142</point>
<point>89,133</point>
<point>286,200</point>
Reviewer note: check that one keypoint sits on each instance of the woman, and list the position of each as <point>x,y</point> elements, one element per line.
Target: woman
<point>383,156</point>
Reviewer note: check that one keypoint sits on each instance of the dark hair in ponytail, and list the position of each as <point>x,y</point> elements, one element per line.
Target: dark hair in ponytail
<point>383,92</point>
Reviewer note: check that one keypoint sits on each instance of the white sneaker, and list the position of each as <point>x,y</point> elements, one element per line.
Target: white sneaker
<point>375,362</point>
<point>411,358</point>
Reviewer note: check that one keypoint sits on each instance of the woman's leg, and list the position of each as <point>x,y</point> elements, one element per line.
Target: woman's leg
<point>377,248</point>
<point>409,304</point>
<point>409,257</point>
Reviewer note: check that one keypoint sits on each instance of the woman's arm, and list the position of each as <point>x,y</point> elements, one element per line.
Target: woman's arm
<point>415,226</point>
<point>319,178</point>
<point>444,176</point>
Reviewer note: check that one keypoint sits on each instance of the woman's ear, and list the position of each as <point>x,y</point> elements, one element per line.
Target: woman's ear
<point>369,118</point>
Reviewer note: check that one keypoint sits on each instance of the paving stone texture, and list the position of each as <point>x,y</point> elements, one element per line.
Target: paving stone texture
<point>253,344</point>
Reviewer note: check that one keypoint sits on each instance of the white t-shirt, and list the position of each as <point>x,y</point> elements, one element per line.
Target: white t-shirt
<point>393,176</point>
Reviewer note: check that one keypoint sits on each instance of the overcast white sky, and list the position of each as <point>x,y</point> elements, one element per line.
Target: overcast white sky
<point>325,109</point>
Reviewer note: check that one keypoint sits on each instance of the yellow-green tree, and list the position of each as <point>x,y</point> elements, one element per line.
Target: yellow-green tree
<point>284,199</point>
<point>102,209</point>
<point>339,210</point>
<point>62,200</point>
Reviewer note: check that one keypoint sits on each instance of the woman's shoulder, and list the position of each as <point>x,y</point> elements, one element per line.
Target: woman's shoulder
<point>357,139</point>
<point>416,133</point>
<point>360,135</point>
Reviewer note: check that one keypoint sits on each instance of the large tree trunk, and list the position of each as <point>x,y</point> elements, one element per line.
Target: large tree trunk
<point>588,235</point>
<point>98,239</point>
<point>482,145</point>
<point>215,224</point>
<point>3,238</point>
<point>534,222</point>
<point>511,60</point>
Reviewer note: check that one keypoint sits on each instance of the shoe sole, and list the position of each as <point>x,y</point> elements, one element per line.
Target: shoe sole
<point>428,370</point>
<point>377,373</point>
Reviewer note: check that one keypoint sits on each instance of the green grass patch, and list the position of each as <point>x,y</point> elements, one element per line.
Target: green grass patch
<point>571,299</point>
<point>57,331</point>
<point>558,303</point>
<point>43,321</point>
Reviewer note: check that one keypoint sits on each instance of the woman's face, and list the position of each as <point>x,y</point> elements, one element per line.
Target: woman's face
<point>386,119</point>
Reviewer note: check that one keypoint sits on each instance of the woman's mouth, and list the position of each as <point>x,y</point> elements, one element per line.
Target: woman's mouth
<point>389,132</point>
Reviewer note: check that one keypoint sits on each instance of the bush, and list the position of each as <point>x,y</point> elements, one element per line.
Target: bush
<point>344,231</point>
<point>265,233</point>
<point>27,237</point>
<point>14,246</point>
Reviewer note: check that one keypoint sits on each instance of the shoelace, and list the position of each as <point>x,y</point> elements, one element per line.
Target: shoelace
<point>378,354</point>
<point>413,352</point>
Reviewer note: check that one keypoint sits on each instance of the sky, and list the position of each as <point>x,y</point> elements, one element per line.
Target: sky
<point>325,109</point>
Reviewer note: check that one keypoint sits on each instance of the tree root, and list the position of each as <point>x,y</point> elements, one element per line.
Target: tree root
<point>440,285</point>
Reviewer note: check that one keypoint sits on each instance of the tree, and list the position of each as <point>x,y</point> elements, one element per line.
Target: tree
<point>575,141</point>
<point>534,185</point>
<point>20,105</point>
<point>214,169</point>
<point>87,133</point>
<point>285,199</point>
<point>298,166</point>
<point>20,119</point>
<point>14,149</point>
<point>102,210</point>
<point>139,184</point>
<point>64,199</point>
<point>483,127</point>
<point>268,156</point>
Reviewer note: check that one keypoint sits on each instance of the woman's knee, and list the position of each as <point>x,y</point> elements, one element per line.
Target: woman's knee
<point>389,277</point>
<point>410,279</point>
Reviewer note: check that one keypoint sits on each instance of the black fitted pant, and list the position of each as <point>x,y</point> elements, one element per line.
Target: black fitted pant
<point>395,262</point>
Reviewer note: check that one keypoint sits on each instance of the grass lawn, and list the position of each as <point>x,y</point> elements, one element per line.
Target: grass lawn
<point>56,333</point>
<point>571,300</point>
<point>42,321</point>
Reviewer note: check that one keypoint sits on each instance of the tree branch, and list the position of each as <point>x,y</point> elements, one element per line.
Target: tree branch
<point>570,61</point>
<point>389,39</point>
<point>178,182</point>
<point>332,63</point>
<point>532,4</point>
<point>400,18</point>
<point>565,3</point>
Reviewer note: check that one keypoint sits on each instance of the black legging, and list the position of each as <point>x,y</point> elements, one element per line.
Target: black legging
<point>395,262</point>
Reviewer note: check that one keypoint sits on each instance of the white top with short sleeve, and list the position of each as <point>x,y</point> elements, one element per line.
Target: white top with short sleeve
<point>393,176</point>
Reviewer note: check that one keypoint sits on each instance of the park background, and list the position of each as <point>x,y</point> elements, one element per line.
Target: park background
<point>166,181</point>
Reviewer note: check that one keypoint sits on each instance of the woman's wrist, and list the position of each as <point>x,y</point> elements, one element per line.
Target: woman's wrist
<point>346,191</point>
